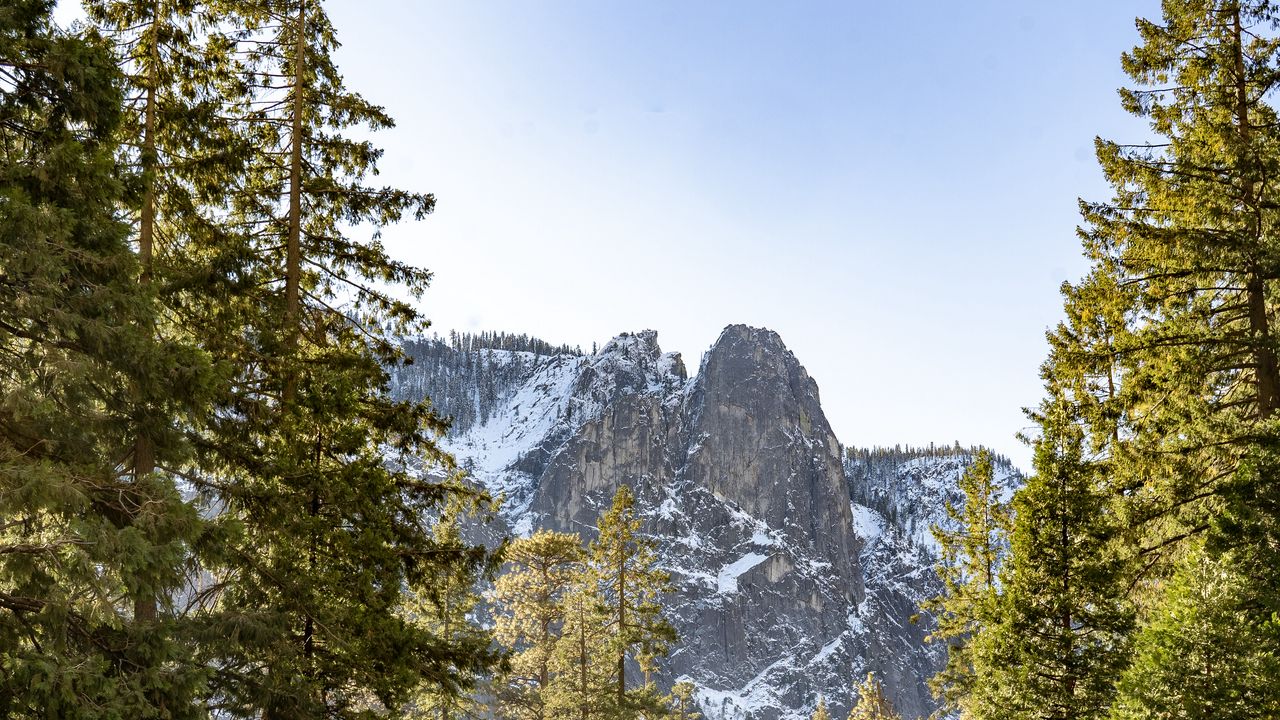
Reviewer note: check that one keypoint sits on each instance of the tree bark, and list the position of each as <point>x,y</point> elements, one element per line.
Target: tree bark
<point>144,460</point>
<point>293,243</point>
<point>1267,369</point>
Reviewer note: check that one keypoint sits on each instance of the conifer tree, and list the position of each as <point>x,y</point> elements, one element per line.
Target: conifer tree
<point>1064,620</point>
<point>1198,656</point>
<point>628,585</point>
<point>324,485</point>
<point>683,705</point>
<point>820,712</point>
<point>872,704</point>
<point>176,132</point>
<point>581,686</point>
<point>1187,244</point>
<point>445,608</point>
<point>529,599</point>
<point>1168,356</point>
<point>972,548</point>
<point>81,536</point>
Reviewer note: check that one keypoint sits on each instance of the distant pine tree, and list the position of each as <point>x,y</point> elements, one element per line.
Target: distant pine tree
<point>529,601</point>
<point>683,706</point>
<point>820,712</point>
<point>872,703</point>
<point>628,587</point>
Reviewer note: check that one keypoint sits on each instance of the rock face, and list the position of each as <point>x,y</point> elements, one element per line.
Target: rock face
<point>798,565</point>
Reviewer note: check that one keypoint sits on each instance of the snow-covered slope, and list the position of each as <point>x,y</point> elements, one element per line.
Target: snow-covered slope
<point>798,565</point>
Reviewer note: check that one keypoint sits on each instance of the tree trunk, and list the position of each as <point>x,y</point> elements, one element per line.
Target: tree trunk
<point>144,461</point>
<point>293,243</point>
<point>622,623</point>
<point>1266,368</point>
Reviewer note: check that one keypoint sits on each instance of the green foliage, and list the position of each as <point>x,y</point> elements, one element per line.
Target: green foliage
<point>628,588</point>
<point>820,712</point>
<point>577,620</point>
<point>872,704</point>
<point>80,373</point>
<point>581,685</point>
<point>445,608</point>
<point>1064,616</point>
<point>148,222</point>
<point>1198,656</point>
<point>972,549</point>
<point>323,486</point>
<point>1146,540</point>
<point>682,702</point>
<point>529,598</point>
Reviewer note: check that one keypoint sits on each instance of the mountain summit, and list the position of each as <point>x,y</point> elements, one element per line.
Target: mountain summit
<point>799,565</point>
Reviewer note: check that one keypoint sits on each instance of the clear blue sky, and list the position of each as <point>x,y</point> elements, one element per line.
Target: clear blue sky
<point>890,185</point>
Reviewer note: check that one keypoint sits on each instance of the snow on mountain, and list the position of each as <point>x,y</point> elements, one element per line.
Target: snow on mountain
<point>799,566</point>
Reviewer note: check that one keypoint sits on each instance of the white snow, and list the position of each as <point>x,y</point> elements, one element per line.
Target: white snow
<point>727,580</point>
<point>867,523</point>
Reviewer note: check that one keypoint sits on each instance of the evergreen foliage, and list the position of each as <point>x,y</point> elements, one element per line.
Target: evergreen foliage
<point>969,567</point>
<point>683,704</point>
<point>628,587</point>
<point>582,687</point>
<point>1062,637</point>
<point>445,607</point>
<point>820,712</point>
<point>512,342</point>
<point>577,619</point>
<point>872,704</point>
<point>320,476</point>
<point>187,311</point>
<point>1197,655</point>
<point>529,599</point>
<point>1144,548</point>
<point>82,536</point>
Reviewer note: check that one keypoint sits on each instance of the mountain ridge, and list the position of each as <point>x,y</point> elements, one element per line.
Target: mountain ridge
<point>798,562</point>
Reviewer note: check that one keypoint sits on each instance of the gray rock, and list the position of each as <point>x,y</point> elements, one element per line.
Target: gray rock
<point>798,566</point>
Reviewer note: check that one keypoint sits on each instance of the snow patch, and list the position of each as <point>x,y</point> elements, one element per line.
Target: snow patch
<point>727,580</point>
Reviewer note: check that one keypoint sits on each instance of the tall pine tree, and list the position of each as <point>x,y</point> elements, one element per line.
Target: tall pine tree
<point>324,487</point>
<point>972,548</point>
<point>82,536</point>
<point>529,599</point>
<point>629,588</point>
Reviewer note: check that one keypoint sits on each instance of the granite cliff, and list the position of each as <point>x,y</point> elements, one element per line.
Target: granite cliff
<point>799,564</point>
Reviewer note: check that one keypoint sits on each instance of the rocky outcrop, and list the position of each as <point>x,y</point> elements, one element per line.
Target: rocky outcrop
<point>798,566</point>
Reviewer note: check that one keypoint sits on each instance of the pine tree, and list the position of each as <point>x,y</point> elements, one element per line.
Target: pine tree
<point>820,712</point>
<point>1198,656</point>
<point>1186,246</point>
<point>683,705</point>
<point>629,587</point>
<point>529,602</point>
<point>445,608</point>
<point>1063,617</point>
<point>872,704</point>
<point>581,687</point>
<point>82,536</point>
<point>971,551</point>
<point>324,485</point>
<point>1168,356</point>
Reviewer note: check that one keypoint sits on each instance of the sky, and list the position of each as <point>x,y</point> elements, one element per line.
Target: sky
<point>890,186</point>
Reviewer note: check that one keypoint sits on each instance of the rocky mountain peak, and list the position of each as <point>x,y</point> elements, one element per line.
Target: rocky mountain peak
<point>797,565</point>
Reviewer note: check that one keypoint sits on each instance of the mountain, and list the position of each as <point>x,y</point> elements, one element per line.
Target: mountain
<point>799,565</point>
